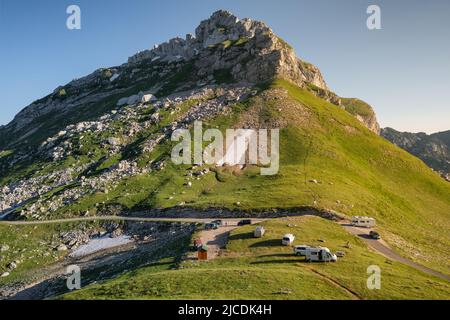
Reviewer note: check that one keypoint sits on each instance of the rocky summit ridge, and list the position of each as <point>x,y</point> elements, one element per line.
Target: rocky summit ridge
<point>224,49</point>
<point>251,51</point>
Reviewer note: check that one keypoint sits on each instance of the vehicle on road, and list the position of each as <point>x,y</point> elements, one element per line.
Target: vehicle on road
<point>210,226</point>
<point>259,232</point>
<point>374,235</point>
<point>366,222</point>
<point>218,222</point>
<point>301,250</point>
<point>287,239</point>
<point>244,222</point>
<point>320,254</point>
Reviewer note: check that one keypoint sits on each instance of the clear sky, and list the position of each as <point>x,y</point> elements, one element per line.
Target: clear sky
<point>402,70</point>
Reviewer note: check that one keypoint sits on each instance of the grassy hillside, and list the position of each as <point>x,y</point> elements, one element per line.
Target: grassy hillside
<point>357,107</point>
<point>263,269</point>
<point>328,160</point>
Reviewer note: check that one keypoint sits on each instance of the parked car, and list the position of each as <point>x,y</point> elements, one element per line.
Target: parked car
<point>374,235</point>
<point>244,222</point>
<point>287,239</point>
<point>218,222</point>
<point>210,226</point>
<point>301,250</point>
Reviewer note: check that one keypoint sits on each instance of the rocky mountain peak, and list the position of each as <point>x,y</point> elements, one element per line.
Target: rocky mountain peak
<point>223,26</point>
<point>224,50</point>
<point>246,49</point>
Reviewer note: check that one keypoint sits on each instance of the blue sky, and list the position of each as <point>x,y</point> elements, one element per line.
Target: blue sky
<point>403,70</point>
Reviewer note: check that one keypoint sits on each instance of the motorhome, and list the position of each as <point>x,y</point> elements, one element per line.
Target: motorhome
<point>365,222</point>
<point>301,250</point>
<point>320,254</point>
<point>287,239</point>
<point>259,232</point>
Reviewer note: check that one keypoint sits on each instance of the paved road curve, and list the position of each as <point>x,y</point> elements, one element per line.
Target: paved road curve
<point>125,218</point>
<point>382,248</point>
<point>379,246</point>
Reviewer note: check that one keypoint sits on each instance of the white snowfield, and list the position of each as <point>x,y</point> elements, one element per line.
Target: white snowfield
<point>98,244</point>
<point>246,146</point>
<point>237,150</point>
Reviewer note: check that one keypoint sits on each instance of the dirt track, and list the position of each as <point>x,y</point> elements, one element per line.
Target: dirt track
<point>216,239</point>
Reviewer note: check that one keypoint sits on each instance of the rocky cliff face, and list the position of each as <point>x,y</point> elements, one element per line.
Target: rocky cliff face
<point>433,149</point>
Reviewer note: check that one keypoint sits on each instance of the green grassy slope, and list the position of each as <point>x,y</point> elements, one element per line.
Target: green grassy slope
<point>263,269</point>
<point>357,173</point>
<point>357,107</point>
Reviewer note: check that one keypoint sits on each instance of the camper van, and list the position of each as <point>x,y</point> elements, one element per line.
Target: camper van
<point>301,250</point>
<point>287,239</point>
<point>259,232</point>
<point>320,254</point>
<point>365,222</point>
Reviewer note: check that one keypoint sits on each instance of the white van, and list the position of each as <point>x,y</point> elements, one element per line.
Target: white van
<point>365,222</point>
<point>259,232</point>
<point>287,239</point>
<point>320,254</point>
<point>301,250</point>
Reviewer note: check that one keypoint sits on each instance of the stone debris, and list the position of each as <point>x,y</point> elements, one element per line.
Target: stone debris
<point>61,247</point>
<point>11,266</point>
<point>212,101</point>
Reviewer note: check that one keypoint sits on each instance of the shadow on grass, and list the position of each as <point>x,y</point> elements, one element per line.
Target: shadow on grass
<point>279,255</point>
<point>267,243</point>
<point>280,261</point>
<point>241,236</point>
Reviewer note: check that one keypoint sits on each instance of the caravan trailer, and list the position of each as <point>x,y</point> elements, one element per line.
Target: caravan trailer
<point>365,222</point>
<point>320,254</point>
<point>259,232</point>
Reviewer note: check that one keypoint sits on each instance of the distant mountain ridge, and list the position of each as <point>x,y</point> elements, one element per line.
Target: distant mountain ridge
<point>433,149</point>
